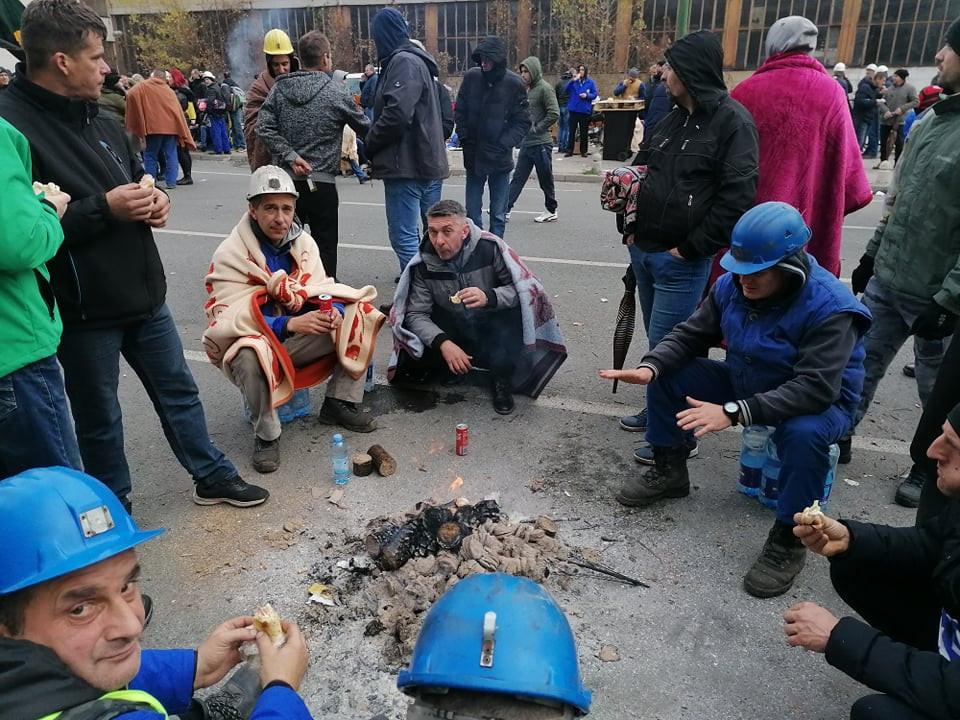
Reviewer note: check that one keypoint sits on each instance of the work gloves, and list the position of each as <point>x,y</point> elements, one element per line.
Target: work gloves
<point>934,323</point>
<point>861,275</point>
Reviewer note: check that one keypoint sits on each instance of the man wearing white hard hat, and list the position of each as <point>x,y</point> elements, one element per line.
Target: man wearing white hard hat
<point>840,73</point>
<point>278,323</point>
<point>71,619</point>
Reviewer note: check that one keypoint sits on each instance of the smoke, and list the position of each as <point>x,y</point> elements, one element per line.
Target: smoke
<point>245,57</point>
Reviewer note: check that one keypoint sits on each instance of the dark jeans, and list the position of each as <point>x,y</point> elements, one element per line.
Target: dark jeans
<point>35,424</point>
<point>320,210</point>
<point>563,128</point>
<point>866,136</point>
<point>541,158</point>
<point>186,162</point>
<point>669,289</point>
<point>499,184</point>
<point>579,122</point>
<point>494,339</point>
<point>91,365</point>
<point>803,442</point>
<point>903,608</point>
<point>885,141</point>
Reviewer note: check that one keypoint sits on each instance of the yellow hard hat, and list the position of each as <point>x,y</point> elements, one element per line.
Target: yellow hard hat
<point>277,42</point>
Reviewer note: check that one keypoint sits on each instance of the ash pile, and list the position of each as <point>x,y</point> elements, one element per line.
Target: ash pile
<point>405,563</point>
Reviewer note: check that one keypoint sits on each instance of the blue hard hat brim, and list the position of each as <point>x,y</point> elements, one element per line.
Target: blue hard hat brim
<point>83,560</point>
<point>405,679</point>
<point>740,267</point>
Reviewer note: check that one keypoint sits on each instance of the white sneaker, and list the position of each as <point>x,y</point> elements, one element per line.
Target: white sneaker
<point>507,217</point>
<point>545,217</point>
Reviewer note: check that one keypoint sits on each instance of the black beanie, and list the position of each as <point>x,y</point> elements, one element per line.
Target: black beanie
<point>902,74</point>
<point>953,417</point>
<point>953,35</point>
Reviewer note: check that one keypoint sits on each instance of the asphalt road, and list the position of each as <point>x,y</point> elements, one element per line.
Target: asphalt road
<point>693,646</point>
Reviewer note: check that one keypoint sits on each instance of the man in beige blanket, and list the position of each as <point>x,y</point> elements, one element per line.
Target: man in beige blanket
<point>265,329</point>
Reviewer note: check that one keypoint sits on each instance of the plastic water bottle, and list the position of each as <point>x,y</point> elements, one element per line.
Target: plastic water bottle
<point>831,475</point>
<point>770,485</point>
<point>341,463</point>
<point>753,456</point>
<point>297,406</point>
<point>368,384</point>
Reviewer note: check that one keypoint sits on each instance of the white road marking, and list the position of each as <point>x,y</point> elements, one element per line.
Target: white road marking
<point>613,410</point>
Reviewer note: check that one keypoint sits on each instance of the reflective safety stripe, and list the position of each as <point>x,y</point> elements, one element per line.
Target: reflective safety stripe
<point>110,705</point>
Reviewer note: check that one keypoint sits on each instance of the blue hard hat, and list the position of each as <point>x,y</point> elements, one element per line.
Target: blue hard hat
<point>498,633</point>
<point>764,236</point>
<point>56,520</point>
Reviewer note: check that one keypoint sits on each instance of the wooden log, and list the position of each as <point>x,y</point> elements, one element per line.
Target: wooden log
<point>398,548</point>
<point>383,461</point>
<point>362,464</point>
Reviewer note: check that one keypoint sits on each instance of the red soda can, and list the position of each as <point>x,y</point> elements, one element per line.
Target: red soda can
<point>326,303</point>
<point>463,438</point>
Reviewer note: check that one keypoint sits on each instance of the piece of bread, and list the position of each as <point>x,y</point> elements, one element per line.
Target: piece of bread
<point>46,188</point>
<point>455,299</point>
<point>812,515</point>
<point>147,181</point>
<point>266,619</point>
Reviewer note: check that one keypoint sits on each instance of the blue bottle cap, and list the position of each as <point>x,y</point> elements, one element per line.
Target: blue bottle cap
<point>337,438</point>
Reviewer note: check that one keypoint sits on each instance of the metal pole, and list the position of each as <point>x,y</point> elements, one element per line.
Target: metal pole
<point>683,18</point>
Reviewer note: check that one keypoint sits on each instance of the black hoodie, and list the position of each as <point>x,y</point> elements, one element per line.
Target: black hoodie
<point>492,112</point>
<point>702,168</point>
<point>34,682</point>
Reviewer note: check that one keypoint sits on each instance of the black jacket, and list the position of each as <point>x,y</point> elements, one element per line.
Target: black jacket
<point>492,112</point>
<point>34,682</point>
<point>406,140</point>
<point>107,272</point>
<point>702,168</point>
<point>560,89</point>
<point>865,100</point>
<point>927,557</point>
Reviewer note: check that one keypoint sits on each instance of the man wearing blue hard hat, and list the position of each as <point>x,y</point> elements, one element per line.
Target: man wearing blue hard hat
<point>71,616</point>
<point>794,361</point>
<point>496,647</point>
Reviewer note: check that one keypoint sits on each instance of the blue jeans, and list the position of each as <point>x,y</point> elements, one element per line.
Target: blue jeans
<point>873,138</point>
<point>803,442</point>
<point>34,421</point>
<point>563,129</point>
<point>407,202</point>
<point>165,146</point>
<point>236,129</point>
<point>91,364</point>
<point>669,289</point>
<point>541,158</point>
<point>499,184</point>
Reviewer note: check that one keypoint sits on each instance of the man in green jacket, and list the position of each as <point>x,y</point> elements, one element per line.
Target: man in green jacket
<point>910,274</point>
<point>35,423</point>
<point>537,147</point>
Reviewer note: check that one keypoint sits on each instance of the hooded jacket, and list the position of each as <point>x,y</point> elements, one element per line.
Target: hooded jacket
<point>560,89</point>
<point>406,140</point>
<point>108,271</point>
<point>544,109</point>
<point>701,168</point>
<point>303,116</point>
<point>492,112</point>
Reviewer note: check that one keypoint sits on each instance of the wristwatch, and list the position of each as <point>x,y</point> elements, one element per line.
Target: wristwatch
<point>732,411</point>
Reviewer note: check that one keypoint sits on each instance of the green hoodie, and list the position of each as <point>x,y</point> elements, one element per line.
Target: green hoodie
<point>30,235</point>
<point>544,110</point>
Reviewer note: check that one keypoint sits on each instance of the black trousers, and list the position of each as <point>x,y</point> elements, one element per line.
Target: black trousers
<point>319,209</point>
<point>883,707</point>
<point>186,162</point>
<point>885,141</point>
<point>579,122</point>
<point>943,398</point>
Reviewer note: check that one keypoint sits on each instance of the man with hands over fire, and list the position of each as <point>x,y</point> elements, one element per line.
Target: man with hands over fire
<point>905,585</point>
<point>794,361</point>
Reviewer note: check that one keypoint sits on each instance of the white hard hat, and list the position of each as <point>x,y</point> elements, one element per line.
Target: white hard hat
<point>269,180</point>
<point>208,74</point>
<point>839,67</point>
<point>871,67</point>
<point>883,69</point>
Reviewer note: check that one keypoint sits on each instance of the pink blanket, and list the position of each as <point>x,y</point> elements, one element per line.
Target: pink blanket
<point>809,156</point>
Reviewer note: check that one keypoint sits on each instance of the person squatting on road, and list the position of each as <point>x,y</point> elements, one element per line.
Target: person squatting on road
<point>108,279</point>
<point>34,420</point>
<point>497,647</point>
<point>493,117</point>
<point>701,165</point>
<point>280,60</point>
<point>910,272</point>
<point>265,330</point>
<point>405,144</point>
<point>301,122</point>
<point>905,584</point>
<point>468,300</point>
<point>72,618</point>
<point>536,150</point>
<point>794,360</point>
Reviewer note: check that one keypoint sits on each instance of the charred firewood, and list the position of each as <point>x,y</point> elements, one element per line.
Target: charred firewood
<point>398,547</point>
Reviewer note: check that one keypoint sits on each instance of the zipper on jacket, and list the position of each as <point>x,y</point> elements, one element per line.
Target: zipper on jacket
<point>76,279</point>
<point>684,146</point>
<point>690,201</point>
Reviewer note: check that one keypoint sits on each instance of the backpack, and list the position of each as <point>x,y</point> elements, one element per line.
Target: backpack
<point>237,99</point>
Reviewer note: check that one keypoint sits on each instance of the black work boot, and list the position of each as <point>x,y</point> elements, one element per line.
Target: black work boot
<point>780,561</point>
<point>502,396</point>
<point>667,478</point>
<point>232,491</point>
<point>347,415</point>
<point>846,450</point>
<point>266,455</point>
<point>908,492</point>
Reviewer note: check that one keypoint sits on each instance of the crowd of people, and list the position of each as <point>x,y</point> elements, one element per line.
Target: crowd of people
<point>731,213</point>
